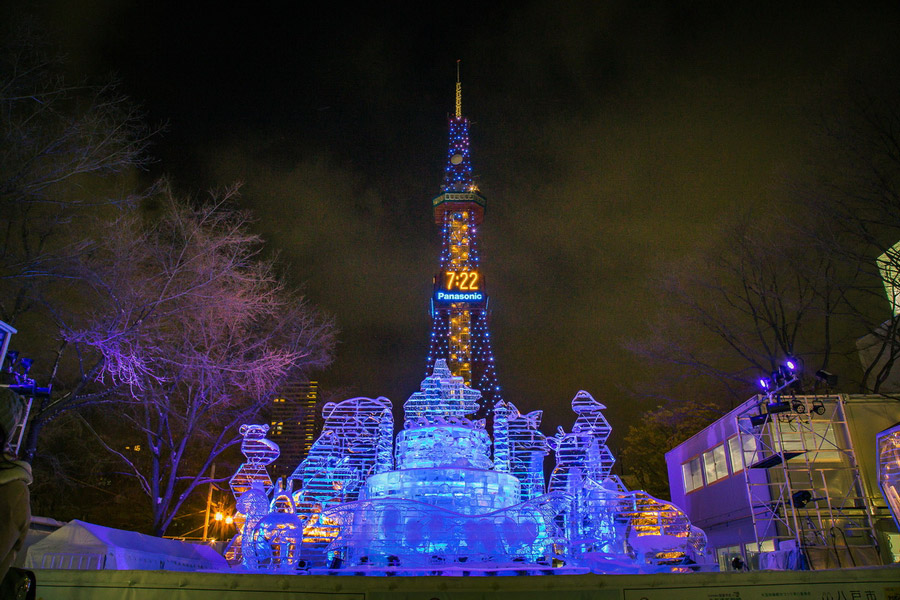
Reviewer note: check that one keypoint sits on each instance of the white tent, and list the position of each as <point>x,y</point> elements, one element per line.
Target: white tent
<point>81,545</point>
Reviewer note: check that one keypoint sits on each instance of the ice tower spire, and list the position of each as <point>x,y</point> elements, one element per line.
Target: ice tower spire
<point>459,306</point>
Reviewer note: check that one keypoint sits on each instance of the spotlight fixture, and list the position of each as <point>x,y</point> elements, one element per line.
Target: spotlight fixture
<point>759,420</point>
<point>801,498</point>
<point>829,379</point>
<point>12,356</point>
<point>778,406</point>
<point>786,375</point>
<point>818,406</point>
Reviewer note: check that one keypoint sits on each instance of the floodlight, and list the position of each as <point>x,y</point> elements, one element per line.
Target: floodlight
<point>800,498</point>
<point>830,379</point>
<point>758,420</point>
<point>26,365</point>
<point>12,356</point>
<point>778,406</point>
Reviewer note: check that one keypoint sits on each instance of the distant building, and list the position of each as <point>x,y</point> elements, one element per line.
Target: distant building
<point>293,421</point>
<point>878,350</point>
<point>770,482</point>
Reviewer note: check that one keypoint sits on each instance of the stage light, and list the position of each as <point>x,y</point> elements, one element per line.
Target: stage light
<point>830,379</point>
<point>801,498</point>
<point>773,408</point>
<point>790,364</point>
<point>765,383</point>
<point>759,420</point>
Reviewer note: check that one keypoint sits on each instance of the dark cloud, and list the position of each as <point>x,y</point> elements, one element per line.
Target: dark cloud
<point>608,137</point>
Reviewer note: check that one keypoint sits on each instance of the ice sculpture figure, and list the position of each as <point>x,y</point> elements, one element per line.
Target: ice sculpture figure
<point>529,447</point>
<point>278,537</point>
<point>356,442</point>
<point>251,506</point>
<point>439,503</point>
<point>251,481</point>
<point>444,506</point>
<point>582,453</point>
<point>608,527</point>
<point>259,452</point>
<point>525,449</point>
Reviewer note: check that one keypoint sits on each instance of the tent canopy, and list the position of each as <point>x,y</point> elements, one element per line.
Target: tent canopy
<point>119,549</point>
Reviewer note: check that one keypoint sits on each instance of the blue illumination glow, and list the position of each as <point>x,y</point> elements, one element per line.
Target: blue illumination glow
<point>442,296</point>
<point>442,504</point>
<point>446,498</point>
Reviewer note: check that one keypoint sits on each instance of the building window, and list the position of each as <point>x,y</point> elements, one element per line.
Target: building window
<point>817,439</point>
<point>726,555</point>
<point>692,473</point>
<point>714,464</point>
<point>734,451</point>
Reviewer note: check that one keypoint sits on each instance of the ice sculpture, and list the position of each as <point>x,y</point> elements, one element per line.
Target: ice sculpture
<point>445,506</point>
<point>251,507</point>
<point>582,453</point>
<point>356,442</point>
<point>277,538</point>
<point>441,503</point>
<point>259,452</point>
<point>888,448</point>
<point>606,526</point>
<point>522,446</point>
<point>250,486</point>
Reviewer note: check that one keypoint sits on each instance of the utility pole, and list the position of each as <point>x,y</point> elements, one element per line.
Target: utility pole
<point>212,475</point>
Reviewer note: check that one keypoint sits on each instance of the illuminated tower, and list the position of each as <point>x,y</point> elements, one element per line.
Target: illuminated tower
<point>459,306</point>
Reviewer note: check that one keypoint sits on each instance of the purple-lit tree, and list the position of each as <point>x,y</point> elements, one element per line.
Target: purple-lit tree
<point>60,143</point>
<point>193,331</point>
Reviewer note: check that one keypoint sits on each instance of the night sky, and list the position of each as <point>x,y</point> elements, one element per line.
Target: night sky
<point>608,138</point>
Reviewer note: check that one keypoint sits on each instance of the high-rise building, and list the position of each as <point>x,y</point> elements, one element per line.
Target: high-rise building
<point>292,423</point>
<point>459,306</point>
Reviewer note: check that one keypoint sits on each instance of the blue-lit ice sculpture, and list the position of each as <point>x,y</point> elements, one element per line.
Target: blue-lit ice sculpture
<point>442,504</point>
<point>445,506</point>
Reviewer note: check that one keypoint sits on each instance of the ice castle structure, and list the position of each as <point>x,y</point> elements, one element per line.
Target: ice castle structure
<point>452,500</point>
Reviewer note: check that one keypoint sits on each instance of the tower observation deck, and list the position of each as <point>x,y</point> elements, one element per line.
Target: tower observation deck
<point>459,306</point>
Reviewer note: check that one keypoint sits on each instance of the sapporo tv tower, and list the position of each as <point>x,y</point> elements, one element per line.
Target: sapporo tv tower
<point>459,306</point>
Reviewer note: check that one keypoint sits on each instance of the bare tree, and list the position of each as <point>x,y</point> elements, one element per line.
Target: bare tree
<point>735,311</point>
<point>859,195</point>
<point>194,332</point>
<point>56,140</point>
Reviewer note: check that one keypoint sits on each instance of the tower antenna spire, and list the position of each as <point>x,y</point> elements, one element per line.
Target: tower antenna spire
<point>458,92</point>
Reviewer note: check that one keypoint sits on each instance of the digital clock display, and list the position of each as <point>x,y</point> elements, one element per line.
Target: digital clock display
<point>459,286</point>
<point>462,281</point>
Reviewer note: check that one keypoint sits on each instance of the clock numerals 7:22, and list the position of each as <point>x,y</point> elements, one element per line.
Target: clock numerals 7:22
<point>461,280</point>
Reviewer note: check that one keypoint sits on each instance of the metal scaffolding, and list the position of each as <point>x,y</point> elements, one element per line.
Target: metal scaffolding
<point>803,482</point>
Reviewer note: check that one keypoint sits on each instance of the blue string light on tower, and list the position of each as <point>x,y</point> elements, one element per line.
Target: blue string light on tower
<point>459,306</point>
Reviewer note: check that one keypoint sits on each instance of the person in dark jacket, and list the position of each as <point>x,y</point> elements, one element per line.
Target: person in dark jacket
<point>15,476</point>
